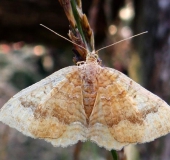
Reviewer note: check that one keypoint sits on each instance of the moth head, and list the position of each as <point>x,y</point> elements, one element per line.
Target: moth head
<point>92,57</point>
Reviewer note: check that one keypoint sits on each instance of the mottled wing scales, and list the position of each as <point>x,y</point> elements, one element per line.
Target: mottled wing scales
<point>99,131</point>
<point>132,114</point>
<point>51,109</point>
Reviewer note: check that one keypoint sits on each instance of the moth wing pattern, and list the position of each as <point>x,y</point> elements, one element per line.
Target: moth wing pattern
<point>129,114</point>
<point>50,109</point>
<point>123,113</point>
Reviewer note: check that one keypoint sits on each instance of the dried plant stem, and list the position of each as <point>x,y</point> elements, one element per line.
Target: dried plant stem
<point>80,31</point>
<point>73,4</point>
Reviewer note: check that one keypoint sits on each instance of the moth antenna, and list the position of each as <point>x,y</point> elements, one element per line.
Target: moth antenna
<point>121,41</point>
<point>62,36</point>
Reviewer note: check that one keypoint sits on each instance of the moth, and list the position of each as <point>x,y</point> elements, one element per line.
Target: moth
<point>88,102</point>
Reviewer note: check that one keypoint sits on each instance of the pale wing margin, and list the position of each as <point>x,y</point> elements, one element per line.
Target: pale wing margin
<point>153,111</point>
<point>18,115</point>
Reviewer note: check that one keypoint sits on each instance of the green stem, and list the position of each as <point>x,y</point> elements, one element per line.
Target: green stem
<point>114,155</point>
<point>73,4</point>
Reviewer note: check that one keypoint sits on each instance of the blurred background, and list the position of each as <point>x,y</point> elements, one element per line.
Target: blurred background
<point>29,52</point>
